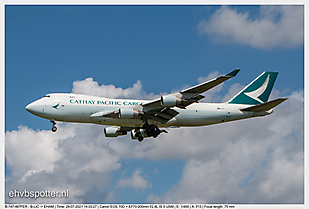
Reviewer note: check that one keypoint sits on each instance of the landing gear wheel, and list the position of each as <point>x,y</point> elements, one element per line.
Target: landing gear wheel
<point>154,133</point>
<point>54,129</point>
<point>140,138</point>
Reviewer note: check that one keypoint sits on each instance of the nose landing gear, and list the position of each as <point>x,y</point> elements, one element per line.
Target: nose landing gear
<point>54,128</point>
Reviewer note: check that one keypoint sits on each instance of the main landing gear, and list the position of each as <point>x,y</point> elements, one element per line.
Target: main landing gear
<point>153,131</point>
<point>140,136</point>
<point>54,128</point>
<point>148,131</point>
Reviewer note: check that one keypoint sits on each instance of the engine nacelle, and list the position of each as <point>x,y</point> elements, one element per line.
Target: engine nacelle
<point>169,101</point>
<point>128,113</point>
<point>135,135</point>
<point>113,132</point>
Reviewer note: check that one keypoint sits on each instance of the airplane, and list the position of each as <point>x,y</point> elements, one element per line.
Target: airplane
<point>144,118</point>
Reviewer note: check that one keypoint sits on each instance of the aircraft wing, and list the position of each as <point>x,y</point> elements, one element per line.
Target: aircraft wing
<point>192,94</point>
<point>200,88</point>
<point>154,104</point>
<point>155,109</point>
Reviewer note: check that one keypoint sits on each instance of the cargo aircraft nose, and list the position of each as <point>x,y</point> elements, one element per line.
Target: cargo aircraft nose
<point>34,108</point>
<point>31,108</point>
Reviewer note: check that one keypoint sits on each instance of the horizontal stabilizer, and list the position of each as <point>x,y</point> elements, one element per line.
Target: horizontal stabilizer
<point>265,106</point>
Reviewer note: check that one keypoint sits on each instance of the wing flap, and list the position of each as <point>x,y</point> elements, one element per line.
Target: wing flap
<point>157,118</point>
<point>265,106</point>
<point>162,116</point>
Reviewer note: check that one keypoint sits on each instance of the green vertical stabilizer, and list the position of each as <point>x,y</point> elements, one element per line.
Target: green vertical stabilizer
<point>258,91</point>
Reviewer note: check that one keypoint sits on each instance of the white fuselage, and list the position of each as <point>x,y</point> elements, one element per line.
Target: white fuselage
<point>78,108</point>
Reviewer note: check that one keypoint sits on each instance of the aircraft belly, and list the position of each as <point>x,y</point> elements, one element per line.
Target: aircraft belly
<point>195,118</point>
<point>118,122</point>
<point>206,117</point>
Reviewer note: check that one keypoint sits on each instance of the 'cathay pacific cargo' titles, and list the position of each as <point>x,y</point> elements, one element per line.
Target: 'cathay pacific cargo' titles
<point>144,118</point>
<point>105,102</point>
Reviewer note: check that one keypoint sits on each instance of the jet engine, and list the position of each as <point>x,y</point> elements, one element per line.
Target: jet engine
<point>169,101</point>
<point>128,113</point>
<point>113,132</point>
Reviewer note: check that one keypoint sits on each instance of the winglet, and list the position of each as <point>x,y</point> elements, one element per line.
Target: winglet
<point>233,73</point>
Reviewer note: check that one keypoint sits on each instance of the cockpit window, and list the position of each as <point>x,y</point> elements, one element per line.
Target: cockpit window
<point>47,96</point>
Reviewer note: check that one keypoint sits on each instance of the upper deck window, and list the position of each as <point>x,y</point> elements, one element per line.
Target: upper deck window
<point>47,96</point>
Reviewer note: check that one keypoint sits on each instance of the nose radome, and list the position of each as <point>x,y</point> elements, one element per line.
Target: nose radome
<point>29,108</point>
<point>34,108</point>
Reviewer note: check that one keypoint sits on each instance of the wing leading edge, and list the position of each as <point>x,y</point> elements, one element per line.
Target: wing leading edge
<point>198,89</point>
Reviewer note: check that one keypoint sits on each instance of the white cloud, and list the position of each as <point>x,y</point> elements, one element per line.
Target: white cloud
<point>17,141</point>
<point>91,87</point>
<point>76,158</point>
<point>237,162</point>
<point>210,76</point>
<point>136,181</point>
<point>240,162</point>
<point>233,90</point>
<point>275,26</point>
<point>283,182</point>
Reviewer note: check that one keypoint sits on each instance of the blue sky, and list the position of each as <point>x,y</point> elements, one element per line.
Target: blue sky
<point>165,48</point>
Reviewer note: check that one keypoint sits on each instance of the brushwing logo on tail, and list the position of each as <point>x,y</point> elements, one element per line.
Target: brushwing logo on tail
<point>258,92</point>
